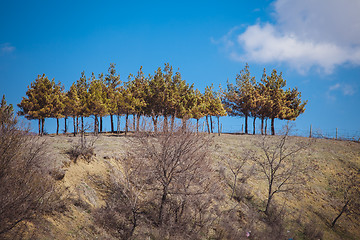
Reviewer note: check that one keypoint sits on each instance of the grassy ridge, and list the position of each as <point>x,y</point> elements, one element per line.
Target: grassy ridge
<point>306,212</point>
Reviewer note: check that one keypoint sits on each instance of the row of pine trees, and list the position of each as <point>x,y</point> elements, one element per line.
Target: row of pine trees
<point>161,95</point>
<point>266,99</point>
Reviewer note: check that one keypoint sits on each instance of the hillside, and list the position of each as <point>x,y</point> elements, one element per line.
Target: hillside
<point>305,212</point>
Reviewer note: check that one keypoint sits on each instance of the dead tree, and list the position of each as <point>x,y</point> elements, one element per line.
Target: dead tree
<point>235,164</point>
<point>280,163</point>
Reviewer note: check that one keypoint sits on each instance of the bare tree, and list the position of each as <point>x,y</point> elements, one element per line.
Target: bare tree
<point>235,164</point>
<point>164,183</point>
<point>176,166</point>
<point>281,165</point>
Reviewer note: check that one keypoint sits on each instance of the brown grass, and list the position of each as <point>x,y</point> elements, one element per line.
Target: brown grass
<point>308,212</point>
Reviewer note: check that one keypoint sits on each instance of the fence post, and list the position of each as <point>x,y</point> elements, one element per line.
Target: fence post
<point>336,133</point>
<point>310,131</point>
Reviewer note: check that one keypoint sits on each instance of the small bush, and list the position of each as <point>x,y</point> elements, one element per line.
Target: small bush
<point>83,148</point>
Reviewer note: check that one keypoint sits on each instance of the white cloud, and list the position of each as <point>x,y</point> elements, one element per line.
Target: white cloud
<point>344,88</point>
<point>348,90</point>
<point>6,48</point>
<point>334,87</point>
<point>307,33</point>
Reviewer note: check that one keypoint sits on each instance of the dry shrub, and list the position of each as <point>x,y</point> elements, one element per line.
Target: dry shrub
<point>26,189</point>
<point>283,165</point>
<point>84,148</point>
<point>165,188</point>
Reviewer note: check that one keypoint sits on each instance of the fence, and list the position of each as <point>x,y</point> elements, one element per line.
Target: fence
<point>336,133</point>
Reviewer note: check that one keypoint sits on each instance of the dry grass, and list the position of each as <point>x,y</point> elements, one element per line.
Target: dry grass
<point>84,183</point>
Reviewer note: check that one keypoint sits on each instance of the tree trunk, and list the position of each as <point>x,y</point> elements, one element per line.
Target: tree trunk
<point>82,125</point>
<point>42,126</point>
<point>112,123</point>
<point>65,130</point>
<point>172,122</point>
<point>341,212</point>
<point>184,124</point>
<point>254,126</point>
<point>272,126</point>
<point>77,123</point>
<point>155,118</point>
<point>266,120</point>
<point>134,122</point>
<point>126,123</point>
<point>270,195</point>
<point>207,123</point>
<point>57,126</point>
<point>163,200</point>
<point>262,126</point>
<point>234,186</point>
<point>118,124</point>
<point>138,122</point>
<point>96,131</point>
<point>39,127</point>
<point>211,124</point>
<point>101,125</point>
<point>134,222</point>
<point>197,126</point>
<point>218,118</point>
<point>165,126</point>
<point>246,124</point>
<point>74,118</point>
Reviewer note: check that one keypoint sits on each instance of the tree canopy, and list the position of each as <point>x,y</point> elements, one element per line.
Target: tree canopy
<point>164,94</point>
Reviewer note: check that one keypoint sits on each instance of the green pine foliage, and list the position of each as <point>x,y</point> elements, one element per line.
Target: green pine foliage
<point>162,95</point>
<point>266,99</point>
<point>39,101</point>
<point>6,112</point>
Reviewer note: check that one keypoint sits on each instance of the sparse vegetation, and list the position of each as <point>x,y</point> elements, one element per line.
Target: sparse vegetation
<point>27,191</point>
<point>166,184</point>
<point>84,148</point>
<point>279,163</point>
<point>177,184</point>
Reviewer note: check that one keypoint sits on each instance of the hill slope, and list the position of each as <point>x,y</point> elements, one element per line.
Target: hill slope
<point>303,213</point>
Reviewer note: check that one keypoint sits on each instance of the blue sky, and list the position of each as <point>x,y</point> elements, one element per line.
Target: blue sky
<point>316,44</point>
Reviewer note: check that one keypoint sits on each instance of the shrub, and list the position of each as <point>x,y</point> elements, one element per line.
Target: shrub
<point>84,148</point>
<point>26,189</point>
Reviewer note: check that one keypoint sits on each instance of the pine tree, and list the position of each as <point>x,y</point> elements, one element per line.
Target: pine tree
<point>186,104</point>
<point>264,101</point>
<point>239,98</point>
<point>178,88</point>
<point>57,104</point>
<point>38,103</point>
<point>217,108</point>
<point>293,106</point>
<point>72,105</point>
<point>96,103</point>
<point>129,103</point>
<point>6,112</point>
<point>214,106</point>
<point>199,110</point>
<point>138,86</point>
<point>112,82</point>
<point>82,87</point>
<point>274,85</point>
<point>156,97</point>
